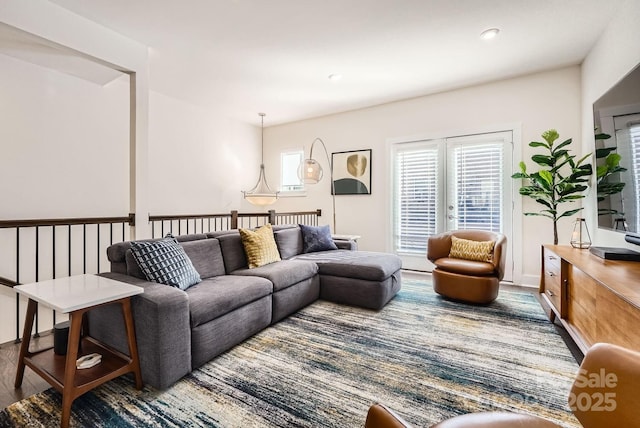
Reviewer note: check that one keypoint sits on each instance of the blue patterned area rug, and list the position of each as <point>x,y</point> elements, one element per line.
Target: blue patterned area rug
<point>426,357</point>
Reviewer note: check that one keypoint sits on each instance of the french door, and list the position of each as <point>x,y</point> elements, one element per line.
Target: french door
<point>448,184</point>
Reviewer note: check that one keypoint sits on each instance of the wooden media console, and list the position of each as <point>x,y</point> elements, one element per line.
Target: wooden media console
<point>596,300</point>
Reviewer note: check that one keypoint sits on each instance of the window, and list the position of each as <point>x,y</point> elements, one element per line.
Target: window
<point>289,162</point>
<point>416,196</point>
<point>448,184</point>
<point>476,186</point>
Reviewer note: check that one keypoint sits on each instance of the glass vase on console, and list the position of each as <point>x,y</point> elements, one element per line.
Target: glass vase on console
<point>580,237</point>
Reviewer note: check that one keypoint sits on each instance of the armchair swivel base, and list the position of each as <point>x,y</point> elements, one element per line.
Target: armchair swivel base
<point>455,286</point>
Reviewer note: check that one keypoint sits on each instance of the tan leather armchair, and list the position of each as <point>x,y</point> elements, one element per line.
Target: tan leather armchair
<point>605,393</point>
<point>467,280</point>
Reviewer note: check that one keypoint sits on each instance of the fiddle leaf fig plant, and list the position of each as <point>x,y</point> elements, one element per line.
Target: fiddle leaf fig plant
<point>562,178</point>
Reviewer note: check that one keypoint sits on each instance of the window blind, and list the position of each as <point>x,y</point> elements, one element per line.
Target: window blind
<point>416,196</point>
<point>476,185</point>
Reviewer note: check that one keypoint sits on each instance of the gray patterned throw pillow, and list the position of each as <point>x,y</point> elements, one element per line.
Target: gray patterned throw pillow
<point>316,238</point>
<point>164,261</point>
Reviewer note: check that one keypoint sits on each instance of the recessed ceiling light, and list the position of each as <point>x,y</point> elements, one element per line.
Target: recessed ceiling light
<point>334,77</point>
<point>489,34</point>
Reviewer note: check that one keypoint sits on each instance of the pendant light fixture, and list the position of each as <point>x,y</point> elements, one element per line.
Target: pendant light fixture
<point>261,194</point>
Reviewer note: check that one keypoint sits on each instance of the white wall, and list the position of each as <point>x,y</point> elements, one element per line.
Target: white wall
<point>616,54</point>
<point>533,103</point>
<point>64,152</point>
<point>197,159</point>
<point>65,141</point>
<point>64,147</point>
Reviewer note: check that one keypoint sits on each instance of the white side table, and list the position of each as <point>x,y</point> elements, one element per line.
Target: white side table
<point>76,295</point>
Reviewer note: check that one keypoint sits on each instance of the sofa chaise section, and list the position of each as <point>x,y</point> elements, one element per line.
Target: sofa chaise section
<point>360,278</point>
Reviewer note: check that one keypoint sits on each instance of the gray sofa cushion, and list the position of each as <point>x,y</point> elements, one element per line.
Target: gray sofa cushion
<point>213,338</point>
<point>116,252</point>
<point>132,268</point>
<point>289,242</point>
<point>206,256</point>
<point>355,264</point>
<point>217,296</point>
<point>282,274</point>
<point>119,254</point>
<point>232,251</point>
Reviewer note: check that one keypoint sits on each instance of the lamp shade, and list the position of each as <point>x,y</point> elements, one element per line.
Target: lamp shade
<point>310,171</point>
<point>261,200</point>
<point>261,194</point>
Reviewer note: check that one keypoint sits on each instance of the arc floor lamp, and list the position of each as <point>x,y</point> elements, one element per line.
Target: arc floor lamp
<point>261,194</point>
<point>310,172</point>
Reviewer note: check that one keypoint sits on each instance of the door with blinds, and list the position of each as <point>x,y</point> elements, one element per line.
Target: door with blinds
<point>448,184</point>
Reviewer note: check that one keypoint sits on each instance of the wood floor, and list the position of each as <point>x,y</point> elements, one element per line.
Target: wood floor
<point>33,383</point>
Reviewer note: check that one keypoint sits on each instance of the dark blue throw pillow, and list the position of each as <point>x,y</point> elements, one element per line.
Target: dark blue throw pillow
<point>316,238</point>
<point>165,261</point>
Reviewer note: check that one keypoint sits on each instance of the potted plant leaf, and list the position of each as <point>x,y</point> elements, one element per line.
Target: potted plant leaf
<point>608,184</point>
<point>561,180</point>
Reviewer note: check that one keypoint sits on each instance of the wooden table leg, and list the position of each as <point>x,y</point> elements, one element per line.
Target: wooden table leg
<point>69,389</point>
<point>32,307</point>
<point>131,339</point>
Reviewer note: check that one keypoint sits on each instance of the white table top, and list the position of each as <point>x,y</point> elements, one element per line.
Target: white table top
<point>77,292</point>
<point>347,237</point>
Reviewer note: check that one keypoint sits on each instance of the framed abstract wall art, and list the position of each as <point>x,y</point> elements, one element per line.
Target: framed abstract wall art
<point>352,172</point>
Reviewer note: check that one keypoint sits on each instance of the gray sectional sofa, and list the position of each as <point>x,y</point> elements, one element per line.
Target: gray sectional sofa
<point>178,331</point>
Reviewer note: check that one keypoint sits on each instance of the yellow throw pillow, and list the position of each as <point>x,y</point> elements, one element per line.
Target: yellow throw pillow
<point>481,251</point>
<point>259,246</point>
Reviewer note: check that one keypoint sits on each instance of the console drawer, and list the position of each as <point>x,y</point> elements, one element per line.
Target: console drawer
<point>552,285</point>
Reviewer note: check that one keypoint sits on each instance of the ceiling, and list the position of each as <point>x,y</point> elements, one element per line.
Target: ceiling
<point>30,48</point>
<point>241,57</point>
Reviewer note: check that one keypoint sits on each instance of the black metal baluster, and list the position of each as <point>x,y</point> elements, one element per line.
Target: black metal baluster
<point>18,281</point>
<point>84,248</point>
<point>69,238</point>
<point>37,275</point>
<point>53,243</point>
<point>98,247</point>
